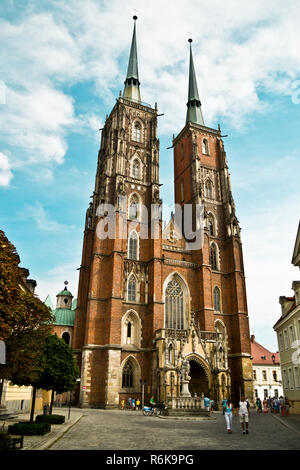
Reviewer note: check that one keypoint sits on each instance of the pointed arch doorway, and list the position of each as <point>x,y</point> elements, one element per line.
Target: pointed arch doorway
<point>199,379</point>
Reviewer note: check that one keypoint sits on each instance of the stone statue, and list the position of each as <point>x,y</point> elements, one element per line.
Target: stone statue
<point>185,378</point>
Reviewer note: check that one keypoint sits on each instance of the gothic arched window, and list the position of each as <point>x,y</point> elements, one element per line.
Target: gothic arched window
<point>131,328</point>
<point>217,299</point>
<point>137,132</point>
<point>131,290</point>
<point>127,376</point>
<point>135,173</point>
<point>66,337</point>
<point>205,147</point>
<point>170,354</point>
<point>208,189</point>
<point>213,257</point>
<point>211,225</point>
<point>174,305</point>
<point>133,246</point>
<point>133,207</point>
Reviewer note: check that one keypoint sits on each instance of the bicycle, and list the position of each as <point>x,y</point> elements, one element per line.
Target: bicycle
<point>155,410</point>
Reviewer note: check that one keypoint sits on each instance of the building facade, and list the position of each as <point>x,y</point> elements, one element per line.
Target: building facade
<point>154,312</point>
<point>266,371</point>
<point>288,337</point>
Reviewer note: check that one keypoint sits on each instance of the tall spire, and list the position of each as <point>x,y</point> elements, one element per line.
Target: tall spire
<point>194,113</point>
<point>132,84</point>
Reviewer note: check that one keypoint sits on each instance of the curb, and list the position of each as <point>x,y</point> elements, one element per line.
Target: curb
<point>285,424</point>
<point>183,418</point>
<point>51,441</point>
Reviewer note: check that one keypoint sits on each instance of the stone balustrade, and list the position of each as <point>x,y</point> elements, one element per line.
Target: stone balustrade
<point>186,403</point>
<point>186,406</point>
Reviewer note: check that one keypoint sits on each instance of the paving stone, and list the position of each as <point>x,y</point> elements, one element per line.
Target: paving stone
<point>130,430</point>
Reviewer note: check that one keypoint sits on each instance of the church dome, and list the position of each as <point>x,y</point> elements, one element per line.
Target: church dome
<point>65,292</point>
<point>64,317</point>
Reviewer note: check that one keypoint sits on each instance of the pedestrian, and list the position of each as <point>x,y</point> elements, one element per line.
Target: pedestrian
<point>228,413</point>
<point>133,403</point>
<point>259,405</point>
<point>224,401</point>
<point>269,403</point>
<point>138,404</point>
<point>282,406</point>
<point>244,415</point>
<point>287,406</point>
<point>276,405</point>
<point>265,403</point>
<point>206,403</point>
<point>152,402</point>
<point>122,404</point>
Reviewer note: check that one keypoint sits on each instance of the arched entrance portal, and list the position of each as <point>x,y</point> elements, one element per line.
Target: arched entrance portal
<point>199,379</point>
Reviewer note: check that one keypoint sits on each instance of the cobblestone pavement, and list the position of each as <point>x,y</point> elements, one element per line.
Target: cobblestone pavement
<point>130,430</point>
<point>57,430</point>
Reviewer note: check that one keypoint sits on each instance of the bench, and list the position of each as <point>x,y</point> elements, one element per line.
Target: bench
<point>12,442</point>
<point>17,440</point>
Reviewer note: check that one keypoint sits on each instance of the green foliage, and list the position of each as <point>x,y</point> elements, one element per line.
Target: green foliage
<point>24,320</point>
<point>52,419</point>
<point>29,429</point>
<point>60,368</point>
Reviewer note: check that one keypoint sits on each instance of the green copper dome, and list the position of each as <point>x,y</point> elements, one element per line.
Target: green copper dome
<point>65,292</point>
<point>64,316</point>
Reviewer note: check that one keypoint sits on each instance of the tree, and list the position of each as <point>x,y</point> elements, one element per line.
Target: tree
<point>25,321</point>
<point>60,370</point>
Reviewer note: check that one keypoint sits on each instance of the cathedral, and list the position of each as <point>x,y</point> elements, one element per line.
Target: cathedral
<point>155,315</point>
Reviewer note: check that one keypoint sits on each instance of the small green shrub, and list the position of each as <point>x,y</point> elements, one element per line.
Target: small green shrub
<point>29,429</point>
<point>52,419</point>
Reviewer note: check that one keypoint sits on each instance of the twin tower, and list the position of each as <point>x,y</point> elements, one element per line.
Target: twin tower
<point>153,314</point>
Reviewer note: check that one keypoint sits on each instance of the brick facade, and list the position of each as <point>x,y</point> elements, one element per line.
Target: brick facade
<point>99,339</point>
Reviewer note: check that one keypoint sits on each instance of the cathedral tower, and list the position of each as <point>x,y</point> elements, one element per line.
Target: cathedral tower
<point>201,177</point>
<point>152,313</point>
<point>116,311</point>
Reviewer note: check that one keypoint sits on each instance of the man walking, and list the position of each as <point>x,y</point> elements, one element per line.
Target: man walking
<point>244,414</point>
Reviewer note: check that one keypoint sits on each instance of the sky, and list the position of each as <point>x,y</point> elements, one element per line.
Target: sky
<point>62,66</point>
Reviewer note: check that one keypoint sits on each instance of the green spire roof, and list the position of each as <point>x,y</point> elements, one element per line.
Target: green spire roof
<point>48,302</point>
<point>132,90</point>
<point>132,71</point>
<point>194,113</point>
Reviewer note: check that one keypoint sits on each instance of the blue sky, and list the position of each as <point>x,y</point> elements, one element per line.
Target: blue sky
<point>63,64</point>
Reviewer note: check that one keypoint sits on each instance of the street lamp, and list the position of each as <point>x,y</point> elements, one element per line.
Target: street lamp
<point>143,383</point>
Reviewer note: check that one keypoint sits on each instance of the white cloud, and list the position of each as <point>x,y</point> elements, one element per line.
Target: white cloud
<point>239,50</point>
<point>43,221</point>
<point>52,281</point>
<point>5,170</point>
